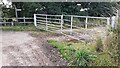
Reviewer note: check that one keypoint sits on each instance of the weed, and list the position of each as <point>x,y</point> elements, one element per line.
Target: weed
<point>83,58</point>
<point>103,60</point>
<point>99,45</point>
<point>65,51</point>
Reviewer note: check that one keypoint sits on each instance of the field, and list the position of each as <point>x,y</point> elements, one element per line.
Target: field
<point>64,34</point>
<point>91,50</point>
<point>103,51</point>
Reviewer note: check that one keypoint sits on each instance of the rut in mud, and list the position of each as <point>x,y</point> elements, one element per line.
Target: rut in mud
<point>22,49</point>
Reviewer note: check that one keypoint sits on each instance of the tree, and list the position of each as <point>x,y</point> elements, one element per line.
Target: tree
<point>71,8</point>
<point>101,8</point>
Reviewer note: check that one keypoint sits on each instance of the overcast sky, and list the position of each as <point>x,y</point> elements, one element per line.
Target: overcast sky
<point>6,2</point>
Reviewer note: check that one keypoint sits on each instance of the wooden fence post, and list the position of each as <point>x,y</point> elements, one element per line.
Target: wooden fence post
<point>117,19</point>
<point>108,23</point>
<point>61,23</point>
<point>35,23</point>
<point>46,23</point>
<point>24,19</point>
<point>71,24</point>
<point>86,21</point>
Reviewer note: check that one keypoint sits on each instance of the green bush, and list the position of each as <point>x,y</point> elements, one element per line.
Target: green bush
<point>112,44</point>
<point>83,58</point>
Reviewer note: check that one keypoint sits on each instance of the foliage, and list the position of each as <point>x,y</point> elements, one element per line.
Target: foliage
<point>81,54</point>
<point>73,56</point>
<point>112,44</point>
<point>56,44</point>
<point>99,45</point>
<point>65,51</point>
<point>7,12</point>
<point>46,8</point>
<point>70,8</point>
<point>101,9</point>
<point>83,58</point>
<point>103,60</point>
<point>118,41</point>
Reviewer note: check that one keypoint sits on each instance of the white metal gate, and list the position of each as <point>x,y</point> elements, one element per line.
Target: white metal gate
<point>69,24</point>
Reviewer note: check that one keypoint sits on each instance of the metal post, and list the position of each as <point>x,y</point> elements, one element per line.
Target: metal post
<point>71,24</point>
<point>24,19</point>
<point>35,23</point>
<point>61,23</point>
<point>108,23</point>
<point>113,22</point>
<point>117,19</point>
<point>46,23</point>
<point>12,24</point>
<point>86,21</point>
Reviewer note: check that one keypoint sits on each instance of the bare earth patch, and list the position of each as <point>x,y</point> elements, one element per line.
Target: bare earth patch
<point>22,49</point>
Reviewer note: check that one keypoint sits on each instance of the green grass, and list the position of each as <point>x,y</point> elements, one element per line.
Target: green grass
<point>65,51</point>
<point>19,28</point>
<point>82,54</point>
<point>70,52</point>
<point>103,60</point>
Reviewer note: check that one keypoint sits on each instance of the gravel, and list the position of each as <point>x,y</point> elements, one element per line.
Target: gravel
<point>22,49</point>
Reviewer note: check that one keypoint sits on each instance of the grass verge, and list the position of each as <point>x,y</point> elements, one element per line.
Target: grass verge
<point>74,56</point>
<point>81,54</point>
<point>19,28</point>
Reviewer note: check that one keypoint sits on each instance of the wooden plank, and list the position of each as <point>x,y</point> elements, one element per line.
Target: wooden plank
<point>5,22</point>
<point>25,18</point>
<point>86,16</point>
<point>6,18</point>
<point>18,18</point>
<point>46,23</point>
<point>48,15</point>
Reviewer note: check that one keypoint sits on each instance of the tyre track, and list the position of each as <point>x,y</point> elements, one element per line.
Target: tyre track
<point>21,49</point>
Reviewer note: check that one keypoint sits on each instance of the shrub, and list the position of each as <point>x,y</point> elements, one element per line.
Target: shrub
<point>112,42</point>
<point>99,45</point>
<point>103,60</point>
<point>83,58</point>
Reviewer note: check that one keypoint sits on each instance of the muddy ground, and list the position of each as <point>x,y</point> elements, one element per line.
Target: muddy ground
<point>25,49</point>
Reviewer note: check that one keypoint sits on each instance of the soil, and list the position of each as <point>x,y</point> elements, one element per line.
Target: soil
<point>23,49</point>
<point>32,49</point>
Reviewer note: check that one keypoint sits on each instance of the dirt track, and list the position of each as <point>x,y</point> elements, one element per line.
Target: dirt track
<point>22,49</point>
